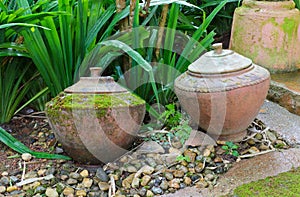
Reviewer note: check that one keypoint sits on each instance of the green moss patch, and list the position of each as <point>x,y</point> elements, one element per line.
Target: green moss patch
<point>284,184</point>
<point>97,101</point>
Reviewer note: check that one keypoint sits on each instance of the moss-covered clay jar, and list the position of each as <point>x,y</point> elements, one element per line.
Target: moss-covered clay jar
<point>268,32</point>
<point>223,91</point>
<point>96,120</point>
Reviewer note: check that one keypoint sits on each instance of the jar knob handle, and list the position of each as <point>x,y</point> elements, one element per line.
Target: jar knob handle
<point>95,71</point>
<point>218,48</point>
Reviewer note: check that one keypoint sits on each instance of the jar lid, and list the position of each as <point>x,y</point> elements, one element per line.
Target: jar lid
<point>95,84</point>
<point>219,61</point>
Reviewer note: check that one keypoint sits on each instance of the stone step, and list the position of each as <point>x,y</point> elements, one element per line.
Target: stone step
<point>285,90</point>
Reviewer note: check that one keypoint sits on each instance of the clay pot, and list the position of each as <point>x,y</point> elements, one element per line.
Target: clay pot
<point>222,92</point>
<point>268,32</point>
<point>96,120</point>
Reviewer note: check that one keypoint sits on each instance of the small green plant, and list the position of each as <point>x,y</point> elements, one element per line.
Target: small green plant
<point>183,158</point>
<point>182,131</point>
<point>171,117</point>
<point>231,148</point>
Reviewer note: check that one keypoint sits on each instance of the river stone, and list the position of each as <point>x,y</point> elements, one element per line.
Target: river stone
<point>68,191</point>
<point>209,177</point>
<point>75,175</point>
<point>41,172</point>
<point>4,180</point>
<point>40,189</point>
<point>150,147</point>
<point>151,162</point>
<point>80,193</point>
<point>190,154</point>
<point>272,137</point>
<point>157,190</point>
<point>145,170</point>
<point>142,191</point>
<point>2,189</point>
<point>26,156</point>
<point>100,174</point>
<point>87,182</point>
<point>178,173</point>
<point>149,193</point>
<point>187,181</point>
<point>131,169</point>
<point>104,186</point>
<point>31,174</point>
<point>175,183</point>
<point>169,176</point>
<point>135,182</point>
<point>251,142</point>
<point>51,192</point>
<point>126,183</point>
<point>11,188</point>
<point>145,180</point>
<point>84,173</point>
<point>164,185</point>
<point>71,181</point>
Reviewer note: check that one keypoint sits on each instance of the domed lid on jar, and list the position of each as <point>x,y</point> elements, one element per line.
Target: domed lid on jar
<point>219,61</point>
<point>95,84</point>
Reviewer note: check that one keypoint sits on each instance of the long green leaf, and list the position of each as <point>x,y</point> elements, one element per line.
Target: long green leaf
<point>19,147</point>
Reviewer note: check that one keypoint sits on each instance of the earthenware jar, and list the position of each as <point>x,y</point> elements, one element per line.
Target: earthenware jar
<point>223,91</point>
<point>96,120</point>
<point>268,32</point>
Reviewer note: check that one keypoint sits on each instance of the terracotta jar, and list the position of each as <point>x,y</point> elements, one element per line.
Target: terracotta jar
<point>96,120</point>
<point>223,91</point>
<point>268,32</point>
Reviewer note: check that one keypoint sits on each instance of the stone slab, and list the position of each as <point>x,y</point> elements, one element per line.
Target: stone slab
<point>282,121</point>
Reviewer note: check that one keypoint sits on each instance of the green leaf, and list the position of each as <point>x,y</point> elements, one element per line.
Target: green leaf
<point>19,147</point>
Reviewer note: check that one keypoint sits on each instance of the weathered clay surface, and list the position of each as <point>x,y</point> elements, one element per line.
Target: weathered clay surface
<point>223,104</point>
<point>268,33</point>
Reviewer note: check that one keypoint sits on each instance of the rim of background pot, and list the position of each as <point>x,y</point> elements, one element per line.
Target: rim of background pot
<point>278,5</point>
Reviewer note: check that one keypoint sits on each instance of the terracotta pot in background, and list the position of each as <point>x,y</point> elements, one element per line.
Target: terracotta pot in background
<point>222,92</point>
<point>268,32</point>
<point>95,120</point>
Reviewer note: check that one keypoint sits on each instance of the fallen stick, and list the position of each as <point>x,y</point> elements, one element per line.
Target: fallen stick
<point>255,154</point>
<point>32,180</point>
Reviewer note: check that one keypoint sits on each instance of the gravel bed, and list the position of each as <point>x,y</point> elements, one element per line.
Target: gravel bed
<point>159,165</point>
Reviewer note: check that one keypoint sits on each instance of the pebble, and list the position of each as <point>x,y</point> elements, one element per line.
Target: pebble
<point>75,175</point>
<point>5,173</point>
<point>126,183</point>
<point>135,182</point>
<point>40,189</point>
<point>149,193</point>
<point>2,189</point>
<point>101,175</point>
<point>131,169</point>
<point>147,170</point>
<point>178,173</point>
<point>26,156</point>
<point>272,137</point>
<point>209,177</point>
<point>68,191</point>
<point>51,192</point>
<point>175,183</point>
<point>104,186</point>
<point>206,152</point>
<point>187,180</point>
<point>145,180</point>
<point>253,150</point>
<point>84,173</point>
<point>11,188</point>
<point>157,190</point>
<point>164,185</point>
<point>169,176</point>
<point>41,172</point>
<point>87,182</point>
<point>4,180</point>
<point>80,193</point>
<point>71,181</point>
<point>190,154</point>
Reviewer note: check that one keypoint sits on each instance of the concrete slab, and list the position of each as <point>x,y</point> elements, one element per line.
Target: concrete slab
<point>281,120</point>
